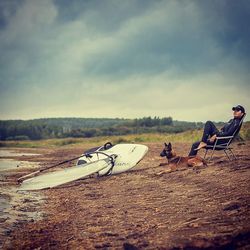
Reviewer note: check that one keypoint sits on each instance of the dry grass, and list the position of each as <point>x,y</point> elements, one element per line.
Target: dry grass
<point>187,136</point>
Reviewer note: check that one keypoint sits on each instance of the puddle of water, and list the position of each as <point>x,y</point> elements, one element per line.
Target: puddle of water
<point>16,206</point>
<point>7,164</point>
<point>4,204</point>
<point>10,153</point>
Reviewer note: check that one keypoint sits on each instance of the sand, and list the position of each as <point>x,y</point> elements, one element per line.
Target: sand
<point>187,209</point>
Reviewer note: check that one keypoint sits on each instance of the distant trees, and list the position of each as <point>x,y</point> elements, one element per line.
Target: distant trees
<point>88,127</point>
<point>152,122</point>
<point>31,129</point>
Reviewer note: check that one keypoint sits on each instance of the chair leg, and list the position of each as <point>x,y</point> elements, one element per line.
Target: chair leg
<point>205,154</point>
<point>230,150</point>
<point>227,155</point>
<point>230,156</point>
<point>211,157</point>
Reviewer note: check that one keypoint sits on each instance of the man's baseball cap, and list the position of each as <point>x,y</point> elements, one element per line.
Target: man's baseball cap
<point>239,108</point>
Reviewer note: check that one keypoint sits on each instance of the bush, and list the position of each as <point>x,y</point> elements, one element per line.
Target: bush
<point>121,140</point>
<point>21,138</point>
<point>139,139</point>
<point>10,138</point>
<point>65,142</point>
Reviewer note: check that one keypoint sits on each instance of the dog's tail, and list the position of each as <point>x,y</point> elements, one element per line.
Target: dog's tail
<point>202,160</point>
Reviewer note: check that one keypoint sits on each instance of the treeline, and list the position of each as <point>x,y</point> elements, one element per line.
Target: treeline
<point>88,127</point>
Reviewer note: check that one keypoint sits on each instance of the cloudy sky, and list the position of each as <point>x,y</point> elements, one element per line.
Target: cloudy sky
<point>114,58</point>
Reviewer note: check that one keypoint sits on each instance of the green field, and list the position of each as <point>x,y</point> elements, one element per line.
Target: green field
<point>187,136</point>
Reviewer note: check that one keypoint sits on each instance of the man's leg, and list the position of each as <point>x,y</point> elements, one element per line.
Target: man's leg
<point>193,152</point>
<point>209,130</point>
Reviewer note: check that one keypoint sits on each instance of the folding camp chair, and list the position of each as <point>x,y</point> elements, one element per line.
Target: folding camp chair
<point>223,143</point>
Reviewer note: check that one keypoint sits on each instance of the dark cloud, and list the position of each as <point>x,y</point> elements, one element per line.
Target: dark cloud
<point>175,36</point>
<point>8,9</point>
<point>102,16</point>
<point>229,21</point>
<point>52,53</point>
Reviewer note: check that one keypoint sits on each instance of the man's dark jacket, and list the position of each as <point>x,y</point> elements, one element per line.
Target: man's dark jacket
<point>230,127</point>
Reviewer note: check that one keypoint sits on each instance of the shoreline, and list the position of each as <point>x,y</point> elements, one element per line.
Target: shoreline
<point>16,206</point>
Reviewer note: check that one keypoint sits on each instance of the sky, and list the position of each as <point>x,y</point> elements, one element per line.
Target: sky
<point>126,59</point>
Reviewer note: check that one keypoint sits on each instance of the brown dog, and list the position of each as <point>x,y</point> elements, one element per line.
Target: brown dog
<point>176,162</point>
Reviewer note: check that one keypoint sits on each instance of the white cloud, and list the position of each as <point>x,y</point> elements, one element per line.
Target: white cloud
<point>165,60</point>
<point>200,98</point>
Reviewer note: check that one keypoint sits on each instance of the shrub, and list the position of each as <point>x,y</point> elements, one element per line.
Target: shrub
<point>21,138</point>
<point>121,140</point>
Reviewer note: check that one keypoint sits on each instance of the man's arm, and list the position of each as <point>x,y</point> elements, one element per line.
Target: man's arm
<point>212,139</point>
<point>224,127</point>
<point>229,130</point>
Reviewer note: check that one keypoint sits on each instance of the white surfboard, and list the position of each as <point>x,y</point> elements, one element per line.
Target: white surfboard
<point>118,159</point>
<point>128,155</point>
<point>56,178</point>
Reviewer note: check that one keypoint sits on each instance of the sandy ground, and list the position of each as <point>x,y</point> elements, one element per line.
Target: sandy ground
<point>189,209</point>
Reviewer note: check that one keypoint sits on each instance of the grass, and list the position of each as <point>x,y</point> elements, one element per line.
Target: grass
<point>71,142</point>
<point>187,136</point>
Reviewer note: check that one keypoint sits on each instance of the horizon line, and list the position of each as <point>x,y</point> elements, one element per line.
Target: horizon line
<point>123,118</point>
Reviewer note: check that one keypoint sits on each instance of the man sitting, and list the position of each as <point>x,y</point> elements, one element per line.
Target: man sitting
<point>211,132</point>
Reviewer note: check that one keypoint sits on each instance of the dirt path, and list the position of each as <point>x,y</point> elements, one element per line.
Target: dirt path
<point>208,208</point>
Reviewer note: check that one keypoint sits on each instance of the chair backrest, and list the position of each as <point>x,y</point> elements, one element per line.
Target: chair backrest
<point>236,132</point>
<point>240,124</point>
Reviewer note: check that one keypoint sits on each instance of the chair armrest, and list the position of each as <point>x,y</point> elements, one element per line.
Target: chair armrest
<point>224,137</point>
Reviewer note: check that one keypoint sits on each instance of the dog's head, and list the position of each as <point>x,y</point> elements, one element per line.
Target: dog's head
<point>167,151</point>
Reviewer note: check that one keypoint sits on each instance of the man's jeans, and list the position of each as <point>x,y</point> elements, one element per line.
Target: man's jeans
<point>209,130</point>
